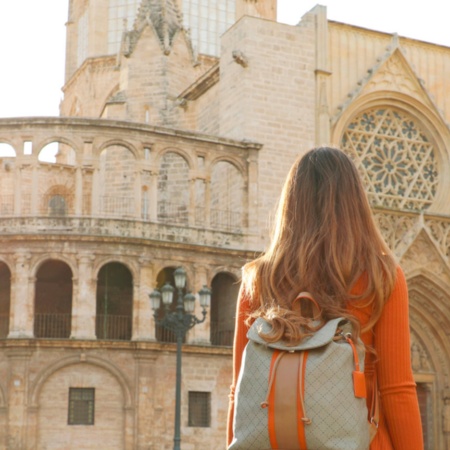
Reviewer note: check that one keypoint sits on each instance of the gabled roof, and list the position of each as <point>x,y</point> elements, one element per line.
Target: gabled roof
<point>392,71</point>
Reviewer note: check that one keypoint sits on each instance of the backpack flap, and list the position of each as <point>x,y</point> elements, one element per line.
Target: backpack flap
<point>320,338</point>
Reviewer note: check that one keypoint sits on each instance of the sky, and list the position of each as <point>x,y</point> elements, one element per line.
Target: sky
<point>32,41</point>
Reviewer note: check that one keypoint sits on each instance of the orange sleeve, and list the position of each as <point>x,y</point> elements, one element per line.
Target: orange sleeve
<point>394,373</point>
<point>240,341</point>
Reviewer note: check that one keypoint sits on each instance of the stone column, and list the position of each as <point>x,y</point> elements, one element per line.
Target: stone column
<point>191,206</point>
<point>138,195</point>
<point>18,191</point>
<point>95,195</point>
<point>78,192</point>
<point>143,323</point>
<point>145,399</point>
<point>252,192</point>
<point>84,300</point>
<point>17,392</point>
<point>22,299</point>
<point>153,196</point>
<point>35,191</point>
<point>207,202</point>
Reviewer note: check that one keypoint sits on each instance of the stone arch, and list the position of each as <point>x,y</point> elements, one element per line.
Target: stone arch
<point>174,196</point>
<point>237,163</point>
<point>57,257</point>
<point>224,293</point>
<point>429,320</point>
<point>234,272</point>
<point>60,149</point>
<point>53,300</point>
<point>7,149</point>
<point>159,155</point>
<point>227,199</point>
<point>114,404</point>
<point>41,377</point>
<point>431,135</point>
<point>114,302</point>
<point>131,265</point>
<point>117,143</point>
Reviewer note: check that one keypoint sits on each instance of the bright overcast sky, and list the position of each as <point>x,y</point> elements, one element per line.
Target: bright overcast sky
<point>32,41</point>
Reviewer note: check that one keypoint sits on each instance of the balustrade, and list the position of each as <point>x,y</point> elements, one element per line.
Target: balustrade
<point>115,327</point>
<point>52,325</point>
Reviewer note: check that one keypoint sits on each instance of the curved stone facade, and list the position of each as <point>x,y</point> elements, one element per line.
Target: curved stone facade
<point>164,158</point>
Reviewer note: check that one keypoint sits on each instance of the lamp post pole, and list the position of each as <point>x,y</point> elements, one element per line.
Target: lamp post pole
<point>179,321</point>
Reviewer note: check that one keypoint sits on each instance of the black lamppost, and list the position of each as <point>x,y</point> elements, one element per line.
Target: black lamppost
<point>179,321</point>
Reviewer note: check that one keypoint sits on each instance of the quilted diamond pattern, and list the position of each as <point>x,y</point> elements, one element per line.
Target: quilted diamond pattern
<point>338,419</point>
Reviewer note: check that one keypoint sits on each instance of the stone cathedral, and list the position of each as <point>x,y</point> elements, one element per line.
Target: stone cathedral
<point>179,122</point>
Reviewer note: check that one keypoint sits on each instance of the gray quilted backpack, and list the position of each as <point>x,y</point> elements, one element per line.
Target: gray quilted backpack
<point>310,396</point>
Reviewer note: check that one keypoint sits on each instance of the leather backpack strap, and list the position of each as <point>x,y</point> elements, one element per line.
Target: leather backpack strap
<point>374,410</point>
<point>308,296</point>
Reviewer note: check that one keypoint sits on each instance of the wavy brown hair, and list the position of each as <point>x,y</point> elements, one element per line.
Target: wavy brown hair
<point>324,240</point>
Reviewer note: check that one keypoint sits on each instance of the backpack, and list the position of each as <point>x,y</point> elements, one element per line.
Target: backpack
<point>309,396</point>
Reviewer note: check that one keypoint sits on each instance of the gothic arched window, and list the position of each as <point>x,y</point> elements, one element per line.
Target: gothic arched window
<point>395,157</point>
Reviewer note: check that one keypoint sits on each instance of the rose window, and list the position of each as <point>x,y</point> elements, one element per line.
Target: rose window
<point>395,158</point>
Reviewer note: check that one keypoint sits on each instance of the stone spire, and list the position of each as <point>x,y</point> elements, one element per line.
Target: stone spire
<point>165,18</point>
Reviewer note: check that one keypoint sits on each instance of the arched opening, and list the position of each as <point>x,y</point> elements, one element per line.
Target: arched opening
<point>225,291</point>
<point>58,153</point>
<point>53,300</point>
<point>226,209</point>
<point>5,299</point>
<point>173,189</point>
<point>114,302</point>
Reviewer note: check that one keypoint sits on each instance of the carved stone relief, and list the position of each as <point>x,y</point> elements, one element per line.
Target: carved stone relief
<point>391,76</point>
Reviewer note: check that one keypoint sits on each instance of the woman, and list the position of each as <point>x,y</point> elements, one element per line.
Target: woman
<point>325,242</point>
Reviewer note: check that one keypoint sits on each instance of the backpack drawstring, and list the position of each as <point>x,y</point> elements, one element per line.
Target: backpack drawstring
<point>301,378</point>
<point>265,403</point>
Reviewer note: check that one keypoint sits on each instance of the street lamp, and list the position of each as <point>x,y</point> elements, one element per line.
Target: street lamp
<point>179,321</point>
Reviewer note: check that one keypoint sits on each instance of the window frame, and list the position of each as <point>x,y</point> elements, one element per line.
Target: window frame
<point>88,415</point>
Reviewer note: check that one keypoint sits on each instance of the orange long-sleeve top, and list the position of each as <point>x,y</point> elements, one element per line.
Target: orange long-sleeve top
<point>400,425</point>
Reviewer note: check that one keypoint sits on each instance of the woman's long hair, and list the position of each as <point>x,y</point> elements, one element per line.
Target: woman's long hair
<point>324,240</point>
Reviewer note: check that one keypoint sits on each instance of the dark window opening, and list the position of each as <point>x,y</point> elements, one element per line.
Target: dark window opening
<point>114,302</point>
<point>199,409</point>
<point>81,406</point>
<point>5,299</point>
<point>225,291</point>
<point>53,300</point>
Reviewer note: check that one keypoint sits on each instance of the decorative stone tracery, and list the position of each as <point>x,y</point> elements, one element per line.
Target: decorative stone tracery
<point>395,157</point>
